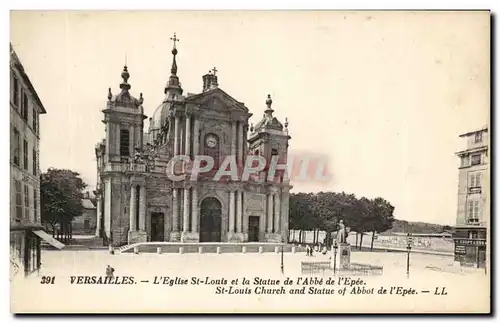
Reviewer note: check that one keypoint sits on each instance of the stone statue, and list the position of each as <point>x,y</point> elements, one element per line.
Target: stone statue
<point>341,232</point>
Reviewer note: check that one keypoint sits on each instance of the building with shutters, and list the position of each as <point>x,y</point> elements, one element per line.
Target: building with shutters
<point>473,209</point>
<point>25,221</point>
<point>138,201</point>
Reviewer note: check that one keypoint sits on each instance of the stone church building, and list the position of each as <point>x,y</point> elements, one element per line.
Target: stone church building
<point>136,199</point>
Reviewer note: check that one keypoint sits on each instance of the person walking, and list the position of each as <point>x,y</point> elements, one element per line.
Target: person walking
<point>110,271</point>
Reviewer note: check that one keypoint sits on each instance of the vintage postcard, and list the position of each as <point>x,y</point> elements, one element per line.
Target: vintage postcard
<point>250,161</point>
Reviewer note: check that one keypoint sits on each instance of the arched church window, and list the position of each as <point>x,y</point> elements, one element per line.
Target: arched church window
<point>212,148</point>
<point>124,142</point>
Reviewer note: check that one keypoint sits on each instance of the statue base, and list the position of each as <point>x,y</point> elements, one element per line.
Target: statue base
<point>175,236</point>
<point>137,236</point>
<point>344,255</point>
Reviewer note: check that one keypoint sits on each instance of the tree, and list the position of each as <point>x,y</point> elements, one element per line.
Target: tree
<point>358,216</point>
<point>301,216</point>
<point>61,199</point>
<point>380,217</point>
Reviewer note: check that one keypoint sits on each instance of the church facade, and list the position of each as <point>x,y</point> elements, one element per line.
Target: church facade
<point>139,200</point>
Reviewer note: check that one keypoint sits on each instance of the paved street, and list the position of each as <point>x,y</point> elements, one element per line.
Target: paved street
<point>140,296</point>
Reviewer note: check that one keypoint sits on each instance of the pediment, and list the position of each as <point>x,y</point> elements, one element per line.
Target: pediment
<point>217,100</point>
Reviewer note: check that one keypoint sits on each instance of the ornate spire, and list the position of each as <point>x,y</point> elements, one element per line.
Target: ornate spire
<point>173,87</point>
<point>173,70</point>
<point>269,111</point>
<point>125,76</point>
<point>141,99</point>
<point>110,95</point>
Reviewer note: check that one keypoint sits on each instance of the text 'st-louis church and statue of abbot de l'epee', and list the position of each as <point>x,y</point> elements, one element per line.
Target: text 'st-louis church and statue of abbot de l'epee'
<point>138,201</point>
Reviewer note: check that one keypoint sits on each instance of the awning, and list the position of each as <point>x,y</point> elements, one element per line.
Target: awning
<point>49,239</point>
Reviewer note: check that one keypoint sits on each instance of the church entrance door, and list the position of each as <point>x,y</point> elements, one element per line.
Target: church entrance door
<point>253,228</point>
<point>210,222</point>
<point>157,226</point>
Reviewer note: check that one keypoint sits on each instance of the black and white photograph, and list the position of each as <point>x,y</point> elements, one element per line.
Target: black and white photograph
<point>250,161</point>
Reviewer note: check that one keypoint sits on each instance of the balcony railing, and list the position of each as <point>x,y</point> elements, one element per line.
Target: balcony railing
<point>473,221</point>
<point>475,190</point>
<point>125,167</point>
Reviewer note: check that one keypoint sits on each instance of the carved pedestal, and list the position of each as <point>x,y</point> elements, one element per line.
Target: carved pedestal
<point>175,236</point>
<point>344,255</point>
<point>235,237</point>
<point>273,237</point>
<point>137,236</point>
<point>190,237</point>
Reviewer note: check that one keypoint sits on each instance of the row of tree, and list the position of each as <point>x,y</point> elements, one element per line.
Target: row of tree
<point>323,211</point>
<point>61,194</point>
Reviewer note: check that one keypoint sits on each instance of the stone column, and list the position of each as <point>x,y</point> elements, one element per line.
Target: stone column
<point>239,212</point>
<point>138,137</point>
<point>196,136</point>
<point>142,208</point>
<point>182,131</point>
<point>117,140</point>
<point>243,218</point>
<point>284,209</point>
<point>175,210</point>
<point>233,138</point>
<point>107,207</point>
<point>132,140</point>
<point>231,211</point>
<point>186,211</point>
<point>188,135</point>
<point>176,136</point>
<point>240,143</point>
<point>194,211</point>
<point>133,208</point>
<point>269,213</point>
<point>99,216</point>
<point>277,214</point>
<point>108,137</point>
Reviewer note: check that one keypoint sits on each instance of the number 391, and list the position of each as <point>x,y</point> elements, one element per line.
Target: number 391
<point>48,280</point>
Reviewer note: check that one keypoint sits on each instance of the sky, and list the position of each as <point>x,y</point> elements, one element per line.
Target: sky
<point>384,95</point>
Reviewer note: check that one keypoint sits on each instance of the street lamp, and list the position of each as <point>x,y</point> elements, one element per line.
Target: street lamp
<point>335,246</point>
<point>408,248</point>
<point>282,265</point>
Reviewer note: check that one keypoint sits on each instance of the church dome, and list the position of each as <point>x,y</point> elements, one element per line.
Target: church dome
<point>268,121</point>
<point>160,115</point>
<point>124,98</point>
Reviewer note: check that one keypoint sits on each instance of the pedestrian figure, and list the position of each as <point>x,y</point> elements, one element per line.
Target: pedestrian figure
<point>308,250</point>
<point>110,271</point>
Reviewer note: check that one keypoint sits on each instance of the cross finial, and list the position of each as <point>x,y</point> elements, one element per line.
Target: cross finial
<point>214,70</point>
<point>174,39</point>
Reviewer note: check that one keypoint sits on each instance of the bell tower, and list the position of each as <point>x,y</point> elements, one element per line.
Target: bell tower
<point>124,182</point>
<point>270,139</point>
